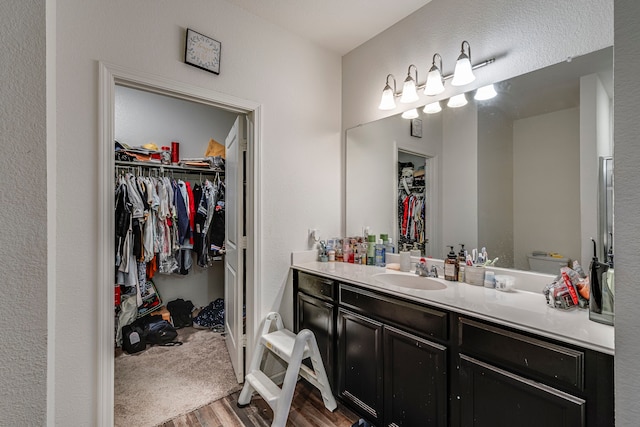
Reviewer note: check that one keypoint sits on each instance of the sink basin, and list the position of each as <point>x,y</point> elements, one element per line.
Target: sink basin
<point>409,281</point>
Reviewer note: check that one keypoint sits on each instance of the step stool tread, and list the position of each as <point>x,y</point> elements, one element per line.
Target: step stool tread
<point>281,343</point>
<point>264,386</point>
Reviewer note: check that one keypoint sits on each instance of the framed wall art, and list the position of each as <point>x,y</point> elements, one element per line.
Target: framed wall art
<point>202,52</point>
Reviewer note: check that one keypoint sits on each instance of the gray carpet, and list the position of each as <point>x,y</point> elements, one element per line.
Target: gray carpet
<point>161,383</point>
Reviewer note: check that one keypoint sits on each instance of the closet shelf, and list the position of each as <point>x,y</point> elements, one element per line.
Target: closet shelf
<point>163,168</point>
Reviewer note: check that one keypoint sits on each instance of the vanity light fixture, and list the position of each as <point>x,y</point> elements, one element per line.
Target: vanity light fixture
<point>432,108</point>
<point>410,114</point>
<point>435,82</point>
<point>409,92</point>
<point>485,92</point>
<point>463,73</point>
<point>457,101</point>
<point>387,102</point>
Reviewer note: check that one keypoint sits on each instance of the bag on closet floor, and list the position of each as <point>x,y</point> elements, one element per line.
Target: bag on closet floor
<point>133,339</point>
<point>160,332</point>
<point>181,312</point>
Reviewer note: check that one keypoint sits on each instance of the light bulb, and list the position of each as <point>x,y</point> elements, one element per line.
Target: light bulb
<point>432,108</point>
<point>457,101</point>
<point>410,114</point>
<point>485,92</point>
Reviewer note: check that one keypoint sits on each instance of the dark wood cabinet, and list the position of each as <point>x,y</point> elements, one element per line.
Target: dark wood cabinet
<point>493,397</point>
<point>398,362</point>
<point>360,363</point>
<point>315,310</point>
<point>318,316</point>
<point>415,380</point>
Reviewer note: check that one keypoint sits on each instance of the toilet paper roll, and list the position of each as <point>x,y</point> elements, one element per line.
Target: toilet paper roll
<point>405,261</point>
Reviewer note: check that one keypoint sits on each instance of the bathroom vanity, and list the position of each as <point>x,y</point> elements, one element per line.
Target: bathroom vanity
<point>453,355</point>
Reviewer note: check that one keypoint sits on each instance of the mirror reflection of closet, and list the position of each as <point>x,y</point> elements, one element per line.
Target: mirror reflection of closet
<point>412,202</point>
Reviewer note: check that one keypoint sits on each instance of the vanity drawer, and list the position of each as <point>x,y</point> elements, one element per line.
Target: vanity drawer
<point>318,287</point>
<point>420,320</point>
<point>540,360</point>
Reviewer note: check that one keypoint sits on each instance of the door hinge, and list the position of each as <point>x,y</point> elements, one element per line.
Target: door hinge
<point>243,145</point>
<point>243,341</point>
<point>243,242</point>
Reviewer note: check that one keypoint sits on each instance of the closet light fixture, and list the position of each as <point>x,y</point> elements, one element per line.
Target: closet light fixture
<point>463,73</point>
<point>387,101</point>
<point>409,92</point>
<point>432,108</point>
<point>435,82</point>
<point>457,101</point>
<point>410,114</point>
<point>485,92</point>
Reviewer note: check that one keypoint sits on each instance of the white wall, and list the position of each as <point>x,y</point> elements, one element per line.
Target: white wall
<point>142,117</point>
<point>459,178</point>
<point>260,62</point>
<point>627,206</point>
<point>495,184</point>
<point>547,148</point>
<point>23,213</point>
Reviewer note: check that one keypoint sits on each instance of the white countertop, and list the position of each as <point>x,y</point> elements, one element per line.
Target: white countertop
<point>519,309</point>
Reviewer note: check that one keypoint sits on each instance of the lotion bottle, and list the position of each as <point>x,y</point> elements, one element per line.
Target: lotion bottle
<point>462,261</point>
<point>451,266</point>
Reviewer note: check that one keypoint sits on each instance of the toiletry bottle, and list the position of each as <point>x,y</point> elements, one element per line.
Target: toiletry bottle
<point>462,262</point>
<point>451,266</point>
<point>380,255</point>
<point>371,249</point>
<point>389,248</point>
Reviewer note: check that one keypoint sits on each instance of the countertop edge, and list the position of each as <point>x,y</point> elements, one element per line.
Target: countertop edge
<point>311,267</point>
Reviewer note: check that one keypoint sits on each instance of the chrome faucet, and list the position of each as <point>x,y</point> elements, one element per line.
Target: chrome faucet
<point>421,269</point>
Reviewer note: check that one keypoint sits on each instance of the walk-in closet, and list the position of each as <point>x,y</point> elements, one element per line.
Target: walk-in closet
<point>169,211</point>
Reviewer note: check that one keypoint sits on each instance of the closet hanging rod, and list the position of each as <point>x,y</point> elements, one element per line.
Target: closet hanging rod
<point>162,168</point>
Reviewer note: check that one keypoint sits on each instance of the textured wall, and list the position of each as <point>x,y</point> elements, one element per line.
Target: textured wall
<point>23,214</point>
<point>298,85</point>
<point>626,207</point>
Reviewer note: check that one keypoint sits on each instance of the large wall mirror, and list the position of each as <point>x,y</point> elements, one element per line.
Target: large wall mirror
<point>518,173</point>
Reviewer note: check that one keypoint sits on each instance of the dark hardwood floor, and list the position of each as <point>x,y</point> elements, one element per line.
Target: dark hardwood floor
<point>307,410</point>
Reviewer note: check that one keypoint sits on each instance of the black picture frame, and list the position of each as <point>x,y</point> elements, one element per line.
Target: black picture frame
<point>416,128</point>
<point>202,51</point>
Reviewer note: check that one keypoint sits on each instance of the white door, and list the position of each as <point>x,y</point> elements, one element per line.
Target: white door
<point>234,258</point>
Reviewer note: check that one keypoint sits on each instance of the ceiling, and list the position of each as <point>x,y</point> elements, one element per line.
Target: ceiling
<point>337,25</point>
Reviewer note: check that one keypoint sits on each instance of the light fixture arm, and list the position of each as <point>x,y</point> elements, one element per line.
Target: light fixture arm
<point>473,67</point>
<point>395,91</point>
<point>468,49</point>
<point>433,61</point>
<point>409,72</point>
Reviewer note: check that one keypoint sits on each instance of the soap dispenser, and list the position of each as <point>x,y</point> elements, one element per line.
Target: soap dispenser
<point>600,296</point>
<point>451,266</point>
<point>462,262</point>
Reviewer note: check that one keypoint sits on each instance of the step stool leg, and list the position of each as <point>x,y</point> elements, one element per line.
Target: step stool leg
<point>321,374</point>
<point>281,413</point>
<point>256,361</point>
<point>247,389</point>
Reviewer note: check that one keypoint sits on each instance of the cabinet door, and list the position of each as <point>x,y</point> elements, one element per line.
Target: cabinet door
<point>360,363</point>
<point>494,397</point>
<point>415,380</point>
<point>318,317</point>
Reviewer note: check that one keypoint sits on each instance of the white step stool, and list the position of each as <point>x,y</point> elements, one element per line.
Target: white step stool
<point>292,349</point>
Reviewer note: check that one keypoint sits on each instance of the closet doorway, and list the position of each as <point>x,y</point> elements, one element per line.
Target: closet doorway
<point>240,287</point>
<point>414,190</point>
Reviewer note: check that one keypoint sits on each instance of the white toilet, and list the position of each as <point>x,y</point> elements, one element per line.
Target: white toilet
<point>546,264</point>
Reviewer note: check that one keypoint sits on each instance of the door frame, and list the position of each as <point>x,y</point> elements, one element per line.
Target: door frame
<point>110,75</point>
